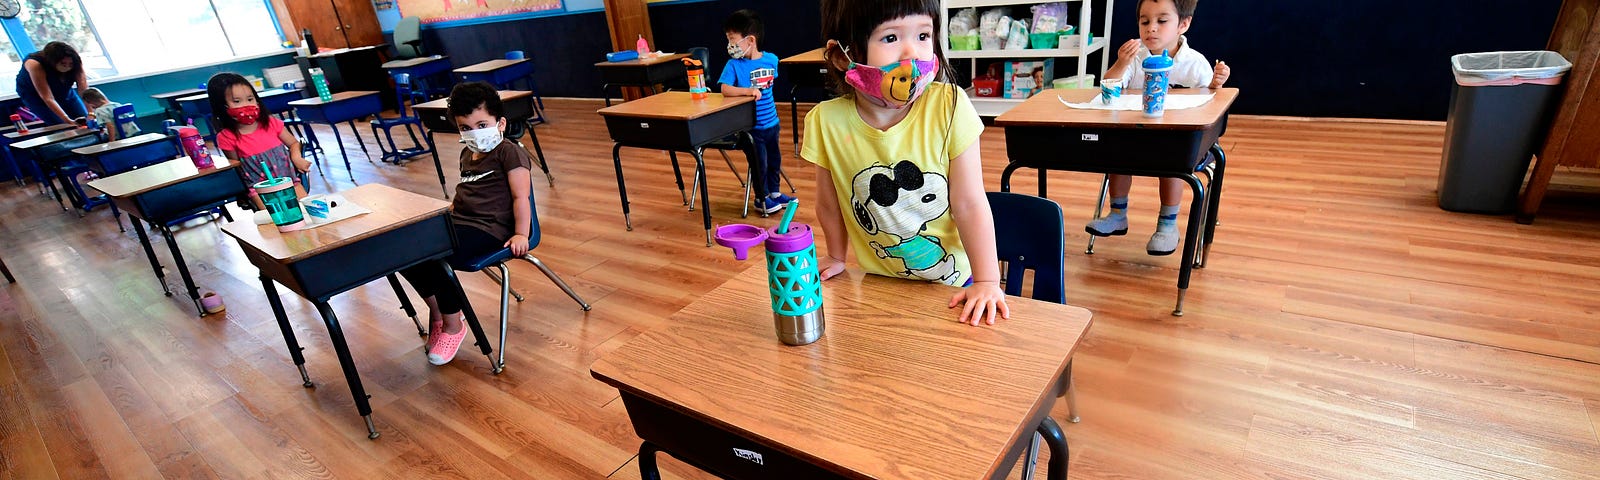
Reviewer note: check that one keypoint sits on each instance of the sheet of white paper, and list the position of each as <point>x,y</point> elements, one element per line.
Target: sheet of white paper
<point>1136,102</point>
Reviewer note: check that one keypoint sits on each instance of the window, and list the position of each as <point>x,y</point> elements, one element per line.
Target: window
<point>131,37</point>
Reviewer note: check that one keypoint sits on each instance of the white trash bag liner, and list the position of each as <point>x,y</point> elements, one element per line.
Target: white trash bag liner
<point>1509,68</point>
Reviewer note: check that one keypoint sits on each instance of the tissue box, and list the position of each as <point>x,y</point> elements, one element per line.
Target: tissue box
<point>1025,78</point>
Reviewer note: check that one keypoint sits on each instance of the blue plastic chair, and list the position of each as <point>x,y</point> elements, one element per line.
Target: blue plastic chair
<point>125,120</point>
<point>533,85</point>
<point>498,259</point>
<point>402,82</point>
<point>1029,234</point>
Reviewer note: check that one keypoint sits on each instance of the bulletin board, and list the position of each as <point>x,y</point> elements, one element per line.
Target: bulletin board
<point>439,11</point>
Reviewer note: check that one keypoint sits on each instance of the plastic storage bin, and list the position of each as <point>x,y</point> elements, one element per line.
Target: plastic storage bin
<point>1500,109</point>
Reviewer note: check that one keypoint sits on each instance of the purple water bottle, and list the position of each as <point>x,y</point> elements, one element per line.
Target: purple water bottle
<point>1156,71</point>
<point>792,275</point>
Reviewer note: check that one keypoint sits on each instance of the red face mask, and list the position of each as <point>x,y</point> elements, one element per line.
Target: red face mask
<point>246,115</point>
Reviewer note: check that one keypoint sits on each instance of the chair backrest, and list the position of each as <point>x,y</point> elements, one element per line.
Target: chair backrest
<point>408,37</point>
<point>533,217</point>
<point>515,55</point>
<point>126,121</point>
<point>1029,234</point>
<point>402,91</point>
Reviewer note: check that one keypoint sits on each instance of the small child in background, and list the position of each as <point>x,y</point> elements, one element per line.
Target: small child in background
<point>250,135</point>
<point>104,112</point>
<point>751,72</point>
<point>1162,24</point>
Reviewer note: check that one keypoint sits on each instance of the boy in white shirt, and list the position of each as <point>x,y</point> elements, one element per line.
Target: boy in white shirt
<point>1162,24</point>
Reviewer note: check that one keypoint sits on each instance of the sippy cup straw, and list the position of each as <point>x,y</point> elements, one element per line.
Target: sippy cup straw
<point>788,215</point>
<point>269,172</point>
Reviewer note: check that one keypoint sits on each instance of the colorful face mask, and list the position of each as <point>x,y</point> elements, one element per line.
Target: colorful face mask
<point>735,51</point>
<point>895,85</point>
<point>246,114</point>
<point>481,140</point>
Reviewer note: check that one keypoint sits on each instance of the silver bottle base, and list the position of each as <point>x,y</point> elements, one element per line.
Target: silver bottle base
<point>799,329</point>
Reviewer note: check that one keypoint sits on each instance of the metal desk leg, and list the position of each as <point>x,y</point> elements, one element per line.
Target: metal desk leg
<point>183,269</point>
<point>337,140</point>
<point>150,252</point>
<point>1005,175</point>
<point>1190,236</point>
<point>351,376</point>
<point>794,117</point>
<point>622,186</point>
<point>647,461</point>
<point>363,145</point>
<point>467,313</point>
<point>1058,448</point>
<point>1215,203</point>
<point>705,192</point>
<point>271,288</point>
<point>405,304</point>
<point>437,164</point>
<point>539,153</point>
<point>605,93</point>
<point>1044,180</point>
<point>678,175</point>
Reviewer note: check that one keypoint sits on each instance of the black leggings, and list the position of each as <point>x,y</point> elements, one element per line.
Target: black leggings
<point>430,280</point>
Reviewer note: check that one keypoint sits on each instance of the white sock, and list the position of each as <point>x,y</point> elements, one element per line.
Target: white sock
<point>1168,220</point>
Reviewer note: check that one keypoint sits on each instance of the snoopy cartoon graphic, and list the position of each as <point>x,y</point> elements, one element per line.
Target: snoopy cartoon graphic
<point>900,201</point>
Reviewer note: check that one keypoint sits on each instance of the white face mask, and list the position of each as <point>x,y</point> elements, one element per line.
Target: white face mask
<point>481,140</point>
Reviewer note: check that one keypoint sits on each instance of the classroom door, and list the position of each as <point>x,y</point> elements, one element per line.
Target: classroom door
<point>338,23</point>
<point>359,22</point>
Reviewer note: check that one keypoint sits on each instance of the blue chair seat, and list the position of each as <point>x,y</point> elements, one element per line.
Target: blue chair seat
<point>491,259</point>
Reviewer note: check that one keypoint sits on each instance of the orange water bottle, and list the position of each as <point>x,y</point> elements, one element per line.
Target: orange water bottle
<point>697,78</point>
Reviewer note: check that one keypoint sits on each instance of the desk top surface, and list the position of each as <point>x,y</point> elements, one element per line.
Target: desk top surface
<point>270,92</point>
<point>894,389</point>
<point>412,62</point>
<point>674,106</point>
<point>1045,110</point>
<point>391,209</point>
<point>177,93</point>
<point>60,136</point>
<point>135,182</point>
<point>488,66</point>
<point>813,56</point>
<point>38,131</point>
<point>8,128</point>
<point>443,103</point>
<point>337,97</point>
<point>129,142</point>
<point>644,62</point>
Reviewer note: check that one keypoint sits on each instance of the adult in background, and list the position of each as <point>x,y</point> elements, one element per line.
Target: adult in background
<point>50,82</point>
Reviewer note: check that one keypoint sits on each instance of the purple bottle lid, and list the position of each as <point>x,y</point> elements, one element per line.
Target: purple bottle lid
<point>796,239</point>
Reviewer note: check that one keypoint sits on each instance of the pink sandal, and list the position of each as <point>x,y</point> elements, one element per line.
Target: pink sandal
<point>444,349</point>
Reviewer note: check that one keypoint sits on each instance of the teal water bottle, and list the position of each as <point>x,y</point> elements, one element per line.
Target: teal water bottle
<point>1156,78</point>
<point>793,280</point>
<point>321,83</point>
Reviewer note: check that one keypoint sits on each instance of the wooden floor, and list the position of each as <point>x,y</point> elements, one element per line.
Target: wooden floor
<point>1345,328</point>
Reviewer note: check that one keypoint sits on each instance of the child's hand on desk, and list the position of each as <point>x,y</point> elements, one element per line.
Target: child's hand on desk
<point>830,267</point>
<point>984,300</point>
<point>1220,74</point>
<point>518,244</point>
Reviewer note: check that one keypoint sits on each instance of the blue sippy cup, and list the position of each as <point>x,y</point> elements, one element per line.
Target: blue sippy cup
<point>1156,70</point>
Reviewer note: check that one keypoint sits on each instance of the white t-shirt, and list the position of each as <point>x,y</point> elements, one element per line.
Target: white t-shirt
<point>1189,68</point>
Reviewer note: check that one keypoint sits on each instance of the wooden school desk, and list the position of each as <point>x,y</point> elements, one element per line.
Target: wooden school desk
<point>345,107</point>
<point>640,72</point>
<point>404,229</point>
<point>421,69</point>
<point>519,109</point>
<point>168,191</point>
<point>11,135</point>
<point>112,158</point>
<point>1043,134</point>
<point>169,101</point>
<point>894,389</point>
<point>802,70</point>
<point>675,122</point>
<point>503,74</point>
<point>49,151</point>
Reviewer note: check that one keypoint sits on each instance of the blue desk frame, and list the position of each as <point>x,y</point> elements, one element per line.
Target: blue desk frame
<point>346,107</point>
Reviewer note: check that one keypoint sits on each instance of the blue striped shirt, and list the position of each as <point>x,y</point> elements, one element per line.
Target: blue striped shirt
<point>760,73</point>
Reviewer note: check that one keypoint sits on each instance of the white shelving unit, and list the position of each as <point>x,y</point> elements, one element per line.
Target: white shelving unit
<point>994,106</point>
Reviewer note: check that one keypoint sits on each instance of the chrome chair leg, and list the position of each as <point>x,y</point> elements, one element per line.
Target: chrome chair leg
<point>1099,207</point>
<point>557,279</point>
<point>505,293</point>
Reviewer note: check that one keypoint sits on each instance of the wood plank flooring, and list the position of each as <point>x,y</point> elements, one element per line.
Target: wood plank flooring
<point>1345,327</point>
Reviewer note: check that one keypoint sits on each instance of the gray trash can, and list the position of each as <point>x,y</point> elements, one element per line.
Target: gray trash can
<point>1500,109</point>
